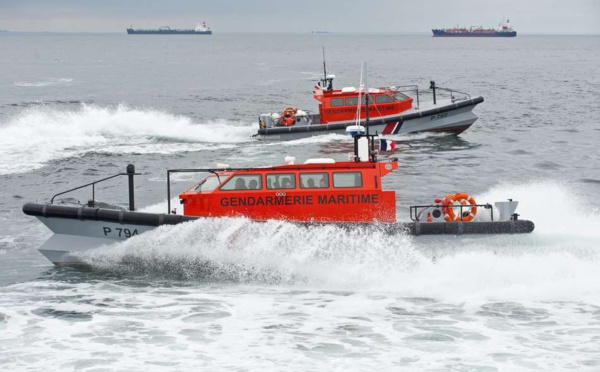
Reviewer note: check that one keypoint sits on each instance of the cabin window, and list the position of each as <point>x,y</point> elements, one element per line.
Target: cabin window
<point>347,179</point>
<point>335,102</point>
<point>209,183</point>
<point>352,101</point>
<point>315,180</point>
<point>400,97</point>
<point>384,98</point>
<point>281,181</point>
<point>243,182</point>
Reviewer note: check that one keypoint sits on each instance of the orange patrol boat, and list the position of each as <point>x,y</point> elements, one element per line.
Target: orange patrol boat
<point>321,191</point>
<point>393,110</point>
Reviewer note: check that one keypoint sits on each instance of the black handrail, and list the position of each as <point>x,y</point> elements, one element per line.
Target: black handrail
<point>433,87</point>
<point>130,172</point>
<point>452,92</point>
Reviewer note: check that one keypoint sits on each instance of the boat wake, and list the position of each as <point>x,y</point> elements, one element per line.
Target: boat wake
<point>44,83</point>
<point>558,260</point>
<point>39,135</point>
<point>240,250</point>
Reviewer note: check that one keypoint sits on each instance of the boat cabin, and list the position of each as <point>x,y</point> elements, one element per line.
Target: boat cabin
<point>341,105</point>
<point>321,190</point>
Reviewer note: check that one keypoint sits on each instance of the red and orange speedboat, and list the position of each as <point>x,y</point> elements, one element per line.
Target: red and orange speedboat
<point>393,110</point>
<point>316,192</point>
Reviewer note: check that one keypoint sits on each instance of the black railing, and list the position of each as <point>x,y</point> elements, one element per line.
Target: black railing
<point>130,173</point>
<point>413,91</point>
<point>452,92</point>
<point>417,210</point>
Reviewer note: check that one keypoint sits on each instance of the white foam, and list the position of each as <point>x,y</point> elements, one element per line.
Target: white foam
<point>43,83</point>
<point>274,251</point>
<point>558,261</point>
<point>556,208</point>
<point>42,134</point>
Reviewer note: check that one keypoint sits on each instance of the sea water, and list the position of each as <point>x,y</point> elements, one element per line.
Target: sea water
<point>233,294</point>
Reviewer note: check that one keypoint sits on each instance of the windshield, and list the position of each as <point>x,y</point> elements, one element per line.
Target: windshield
<point>208,184</point>
<point>400,97</point>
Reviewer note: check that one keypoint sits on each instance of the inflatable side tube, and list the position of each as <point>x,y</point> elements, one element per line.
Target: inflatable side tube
<point>100,214</point>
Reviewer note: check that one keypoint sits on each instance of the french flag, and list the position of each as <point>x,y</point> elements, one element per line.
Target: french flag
<point>386,145</point>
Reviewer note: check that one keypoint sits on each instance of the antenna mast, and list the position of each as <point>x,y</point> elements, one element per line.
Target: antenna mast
<point>324,68</point>
<point>366,100</point>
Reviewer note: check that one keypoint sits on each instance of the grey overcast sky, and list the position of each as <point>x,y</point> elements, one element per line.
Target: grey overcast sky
<point>362,16</point>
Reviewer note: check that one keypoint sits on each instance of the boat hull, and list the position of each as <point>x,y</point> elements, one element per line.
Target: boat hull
<point>453,118</point>
<point>78,228</point>
<point>167,32</point>
<point>443,33</point>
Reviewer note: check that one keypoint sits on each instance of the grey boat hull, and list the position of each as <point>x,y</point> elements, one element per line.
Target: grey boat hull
<point>79,228</point>
<point>452,117</point>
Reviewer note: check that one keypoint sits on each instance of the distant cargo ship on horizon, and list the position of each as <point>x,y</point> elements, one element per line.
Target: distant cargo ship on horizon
<point>166,30</point>
<point>503,30</point>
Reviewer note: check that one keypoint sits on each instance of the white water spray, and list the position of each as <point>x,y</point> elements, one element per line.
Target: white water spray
<point>42,134</point>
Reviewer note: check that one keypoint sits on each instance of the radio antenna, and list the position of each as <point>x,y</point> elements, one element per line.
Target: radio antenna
<point>324,67</point>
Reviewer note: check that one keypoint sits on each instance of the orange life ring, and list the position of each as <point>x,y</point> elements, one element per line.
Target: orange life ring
<point>463,199</point>
<point>288,117</point>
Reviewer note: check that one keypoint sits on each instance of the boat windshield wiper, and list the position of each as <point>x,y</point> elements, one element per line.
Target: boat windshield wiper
<point>216,174</point>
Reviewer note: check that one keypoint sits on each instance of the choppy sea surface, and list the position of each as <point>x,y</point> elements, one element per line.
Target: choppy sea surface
<point>232,294</point>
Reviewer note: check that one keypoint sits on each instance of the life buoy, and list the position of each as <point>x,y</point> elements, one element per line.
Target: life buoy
<point>465,200</point>
<point>288,117</point>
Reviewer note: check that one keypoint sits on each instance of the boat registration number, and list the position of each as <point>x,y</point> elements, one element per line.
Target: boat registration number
<point>439,116</point>
<point>119,232</point>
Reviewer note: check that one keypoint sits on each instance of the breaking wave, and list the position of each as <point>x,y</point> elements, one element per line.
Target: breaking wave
<point>39,135</point>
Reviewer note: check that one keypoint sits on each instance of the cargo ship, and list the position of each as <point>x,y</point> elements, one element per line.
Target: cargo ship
<point>202,29</point>
<point>503,30</point>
